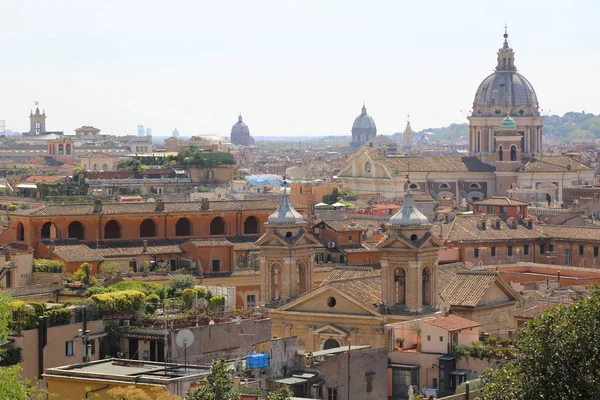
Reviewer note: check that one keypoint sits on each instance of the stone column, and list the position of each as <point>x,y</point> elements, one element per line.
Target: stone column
<point>526,140</point>
<point>265,287</point>
<point>491,140</point>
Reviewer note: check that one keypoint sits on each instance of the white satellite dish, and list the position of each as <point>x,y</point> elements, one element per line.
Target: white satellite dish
<point>184,338</point>
<point>444,307</point>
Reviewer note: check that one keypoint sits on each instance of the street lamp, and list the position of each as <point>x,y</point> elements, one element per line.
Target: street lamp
<point>87,345</point>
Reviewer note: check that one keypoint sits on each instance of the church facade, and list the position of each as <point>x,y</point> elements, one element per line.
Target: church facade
<point>505,146</point>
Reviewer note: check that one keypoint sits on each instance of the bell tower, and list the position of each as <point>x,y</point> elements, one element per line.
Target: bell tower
<point>409,258</point>
<point>286,254</point>
<point>37,121</point>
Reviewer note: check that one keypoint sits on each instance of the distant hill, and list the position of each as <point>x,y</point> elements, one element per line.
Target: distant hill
<point>572,125</point>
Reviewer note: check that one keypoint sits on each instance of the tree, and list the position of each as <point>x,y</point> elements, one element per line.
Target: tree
<point>560,356</point>
<point>110,269</point>
<point>5,316</point>
<point>182,282</point>
<point>218,385</point>
<point>134,393</point>
<point>283,393</point>
<point>83,273</point>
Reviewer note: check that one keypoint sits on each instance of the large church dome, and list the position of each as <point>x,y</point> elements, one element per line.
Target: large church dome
<point>364,122</point>
<point>240,127</point>
<point>505,91</point>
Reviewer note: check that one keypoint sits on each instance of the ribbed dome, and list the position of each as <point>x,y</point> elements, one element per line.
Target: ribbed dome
<point>364,123</point>
<point>505,89</point>
<point>409,214</point>
<point>285,214</point>
<point>240,128</point>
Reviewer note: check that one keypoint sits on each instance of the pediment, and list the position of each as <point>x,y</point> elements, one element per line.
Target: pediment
<point>316,301</point>
<point>399,242</point>
<point>330,330</point>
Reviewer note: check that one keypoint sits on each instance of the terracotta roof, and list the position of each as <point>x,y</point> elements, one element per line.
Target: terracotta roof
<point>554,164</point>
<point>465,228</point>
<point>147,208</point>
<point>357,248</point>
<point>451,322</point>
<point>44,179</point>
<point>429,164</point>
<point>447,272</point>
<point>244,243</point>
<point>343,225</point>
<point>531,311</point>
<point>127,248</point>
<point>467,289</point>
<point>500,201</point>
<point>212,242</point>
<point>245,272</point>
<point>323,268</point>
<point>78,292</point>
<point>349,273</point>
<point>567,232</point>
<point>366,290</point>
<point>145,334</point>
<point>77,252</point>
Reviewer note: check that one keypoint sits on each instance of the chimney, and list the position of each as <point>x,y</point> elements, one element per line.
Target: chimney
<point>145,246</point>
<point>97,206</point>
<point>160,205</point>
<point>204,204</point>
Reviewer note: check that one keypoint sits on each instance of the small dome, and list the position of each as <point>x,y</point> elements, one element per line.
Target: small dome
<point>285,214</point>
<point>240,128</point>
<point>508,123</point>
<point>364,123</point>
<point>409,214</point>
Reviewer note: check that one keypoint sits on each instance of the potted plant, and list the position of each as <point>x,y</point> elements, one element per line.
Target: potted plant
<point>400,343</point>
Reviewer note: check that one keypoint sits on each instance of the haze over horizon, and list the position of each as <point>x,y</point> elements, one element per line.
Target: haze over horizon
<point>291,68</point>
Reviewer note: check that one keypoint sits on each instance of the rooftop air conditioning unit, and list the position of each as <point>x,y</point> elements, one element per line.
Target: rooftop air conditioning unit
<point>331,245</point>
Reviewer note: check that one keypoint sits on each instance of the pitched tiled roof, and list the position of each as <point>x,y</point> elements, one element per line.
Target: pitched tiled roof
<point>126,248</point>
<point>465,228</point>
<point>554,164</point>
<point>145,334</point>
<point>357,248</point>
<point>531,311</point>
<point>349,272</point>
<point>212,242</point>
<point>78,292</point>
<point>246,272</point>
<point>147,208</point>
<point>500,201</point>
<point>429,164</point>
<point>451,322</point>
<point>468,288</point>
<point>343,225</point>
<point>244,243</point>
<point>446,273</point>
<point>323,268</point>
<point>567,232</point>
<point>77,252</point>
<point>366,290</point>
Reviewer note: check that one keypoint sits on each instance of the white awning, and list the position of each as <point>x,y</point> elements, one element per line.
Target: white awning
<point>24,185</point>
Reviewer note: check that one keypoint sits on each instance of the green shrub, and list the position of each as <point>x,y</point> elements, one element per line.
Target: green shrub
<point>147,288</point>
<point>181,282</point>
<point>59,316</point>
<point>152,303</point>
<point>116,302</point>
<point>504,342</point>
<point>11,356</point>
<point>492,341</point>
<point>45,265</point>
<point>98,290</point>
<point>473,385</point>
<point>217,301</point>
<point>188,295</point>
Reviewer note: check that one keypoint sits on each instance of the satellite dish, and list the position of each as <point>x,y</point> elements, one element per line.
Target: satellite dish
<point>184,338</point>
<point>444,307</point>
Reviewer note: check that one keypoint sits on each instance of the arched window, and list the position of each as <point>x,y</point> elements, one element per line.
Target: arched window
<point>48,230</point>
<point>302,279</point>
<point>217,226</point>
<point>60,150</point>
<point>211,174</point>
<point>500,153</point>
<point>76,230</point>
<point>427,292</point>
<point>112,230</point>
<point>444,186</point>
<point>251,225</point>
<point>95,168</point>
<point>20,232</point>
<point>513,153</point>
<point>148,228</point>
<point>331,344</point>
<point>104,167</point>
<point>183,227</point>
<point>474,185</point>
<point>399,284</point>
<point>414,186</point>
<point>68,147</point>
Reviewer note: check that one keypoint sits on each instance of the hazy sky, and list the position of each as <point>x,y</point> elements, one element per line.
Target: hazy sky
<point>291,67</point>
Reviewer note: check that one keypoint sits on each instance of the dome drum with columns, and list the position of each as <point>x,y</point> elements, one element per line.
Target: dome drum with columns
<point>363,128</point>
<point>504,92</point>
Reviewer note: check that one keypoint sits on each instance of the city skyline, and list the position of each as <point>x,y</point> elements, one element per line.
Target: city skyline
<point>291,69</point>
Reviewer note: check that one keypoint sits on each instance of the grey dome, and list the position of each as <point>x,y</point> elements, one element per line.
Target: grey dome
<point>505,89</point>
<point>409,214</point>
<point>285,214</point>
<point>240,128</point>
<point>364,123</point>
